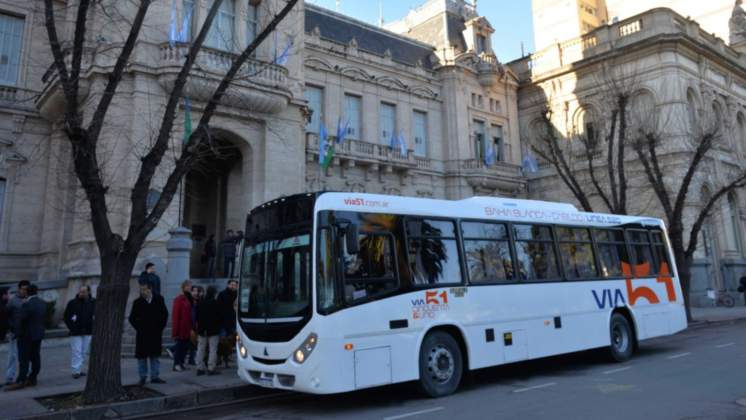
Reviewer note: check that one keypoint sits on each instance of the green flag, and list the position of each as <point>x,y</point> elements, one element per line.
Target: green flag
<point>328,156</point>
<point>187,120</point>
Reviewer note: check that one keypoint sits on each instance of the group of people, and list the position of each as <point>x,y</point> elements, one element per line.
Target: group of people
<point>22,316</point>
<point>228,248</point>
<point>199,319</point>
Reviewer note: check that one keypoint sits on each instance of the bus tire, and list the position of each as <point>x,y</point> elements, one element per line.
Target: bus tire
<point>622,338</point>
<point>441,364</point>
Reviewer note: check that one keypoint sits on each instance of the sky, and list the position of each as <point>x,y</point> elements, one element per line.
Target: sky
<point>510,18</point>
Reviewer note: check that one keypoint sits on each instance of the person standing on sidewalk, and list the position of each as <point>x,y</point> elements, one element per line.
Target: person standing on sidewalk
<point>228,247</point>
<point>4,313</point>
<point>148,317</point>
<point>181,325</point>
<point>149,277</point>
<point>742,288</point>
<point>197,294</point>
<point>79,320</point>
<point>14,318</point>
<point>31,333</point>
<point>208,329</point>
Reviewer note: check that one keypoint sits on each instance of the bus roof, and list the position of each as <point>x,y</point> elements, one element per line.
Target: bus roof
<point>485,208</point>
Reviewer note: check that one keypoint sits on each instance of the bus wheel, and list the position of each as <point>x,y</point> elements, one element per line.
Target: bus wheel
<point>441,364</point>
<point>622,338</point>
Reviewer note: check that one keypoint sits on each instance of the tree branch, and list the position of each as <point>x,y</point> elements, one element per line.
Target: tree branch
<point>185,161</point>
<point>738,182</point>
<point>115,76</point>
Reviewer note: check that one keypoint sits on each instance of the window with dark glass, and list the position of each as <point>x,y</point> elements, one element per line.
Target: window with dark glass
<point>576,251</point>
<point>487,252</point>
<point>612,251</point>
<point>372,270</point>
<point>433,252</point>
<point>661,252</point>
<point>535,255</point>
<point>642,253</point>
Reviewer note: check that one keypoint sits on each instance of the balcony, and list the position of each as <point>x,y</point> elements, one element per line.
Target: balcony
<point>259,86</point>
<point>359,153</point>
<point>655,24</point>
<point>17,98</point>
<point>501,176</point>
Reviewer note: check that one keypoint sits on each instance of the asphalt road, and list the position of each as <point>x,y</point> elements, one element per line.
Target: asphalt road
<point>697,374</point>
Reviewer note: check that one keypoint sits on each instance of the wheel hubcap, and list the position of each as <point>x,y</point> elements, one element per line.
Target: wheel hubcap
<point>620,338</point>
<point>440,364</point>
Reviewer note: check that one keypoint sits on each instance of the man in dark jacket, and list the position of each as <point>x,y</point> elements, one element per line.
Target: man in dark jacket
<point>30,334</point>
<point>149,277</point>
<point>148,317</point>
<point>208,329</point>
<point>79,320</point>
<point>14,315</point>
<point>4,313</point>
<point>228,248</point>
<point>226,300</point>
<point>742,288</point>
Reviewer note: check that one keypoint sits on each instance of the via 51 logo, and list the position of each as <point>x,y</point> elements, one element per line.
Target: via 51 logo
<point>613,297</point>
<point>435,301</point>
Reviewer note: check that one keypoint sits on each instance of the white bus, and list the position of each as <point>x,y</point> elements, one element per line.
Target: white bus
<point>343,291</point>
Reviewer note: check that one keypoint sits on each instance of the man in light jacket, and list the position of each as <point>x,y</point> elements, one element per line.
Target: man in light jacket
<point>14,318</point>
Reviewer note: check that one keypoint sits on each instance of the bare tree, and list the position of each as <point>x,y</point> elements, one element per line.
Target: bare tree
<point>634,128</point>
<point>118,254</point>
<point>578,155</point>
<point>704,134</point>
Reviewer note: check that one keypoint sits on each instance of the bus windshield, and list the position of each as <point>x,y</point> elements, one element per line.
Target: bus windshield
<point>276,280</point>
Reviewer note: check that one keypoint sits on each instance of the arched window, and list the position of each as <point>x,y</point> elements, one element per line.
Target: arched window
<point>691,108</point>
<point>642,111</point>
<point>734,222</point>
<point>586,124</point>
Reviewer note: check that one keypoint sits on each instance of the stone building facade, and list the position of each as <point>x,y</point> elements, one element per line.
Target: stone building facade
<point>675,70</point>
<point>431,79</point>
<point>448,98</point>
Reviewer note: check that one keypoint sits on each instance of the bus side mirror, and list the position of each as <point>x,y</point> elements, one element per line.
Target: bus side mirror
<point>351,237</point>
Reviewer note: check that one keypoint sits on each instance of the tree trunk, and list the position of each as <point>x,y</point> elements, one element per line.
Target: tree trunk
<point>684,266</point>
<point>104,381</point>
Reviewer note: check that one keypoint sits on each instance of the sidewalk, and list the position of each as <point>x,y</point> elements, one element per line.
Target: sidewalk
<point>717,314</point>
<point>56,378</point>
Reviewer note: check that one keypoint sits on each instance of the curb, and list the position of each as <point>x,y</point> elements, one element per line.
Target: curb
<point>149,406</point>
<point>708,323</point>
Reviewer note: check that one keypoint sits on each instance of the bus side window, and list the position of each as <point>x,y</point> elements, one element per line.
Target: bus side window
<point>487,252</point>
<point>576,251</point>
<point>612,251</point>
<point>371,271</point>
<point>536,257</point>
<point>642,254</point>
<point>433,252</point>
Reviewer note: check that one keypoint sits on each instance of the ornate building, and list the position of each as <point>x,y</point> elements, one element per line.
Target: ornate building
<point>448,100</point>
<point>429,81</point>
<point>674,69</point>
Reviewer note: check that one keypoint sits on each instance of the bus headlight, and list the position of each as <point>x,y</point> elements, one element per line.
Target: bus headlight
<point>242,349</point>
<point>305,349</point>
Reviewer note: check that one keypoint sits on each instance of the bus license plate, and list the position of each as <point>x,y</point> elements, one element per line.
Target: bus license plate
<point>266,381</point>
